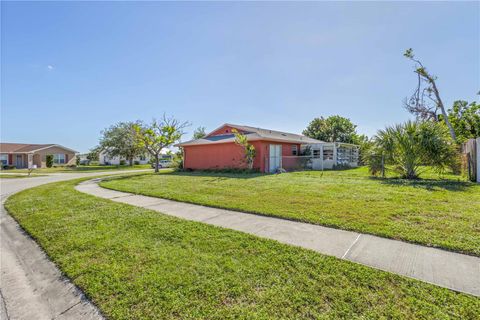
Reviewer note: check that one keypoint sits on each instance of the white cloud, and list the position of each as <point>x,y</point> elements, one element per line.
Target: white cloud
<point>50,67</point>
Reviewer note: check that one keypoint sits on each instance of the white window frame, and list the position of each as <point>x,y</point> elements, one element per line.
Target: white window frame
<point>4,159</point>
<point>328,153</point>
<point>59,158</point>
<point>294,150</point>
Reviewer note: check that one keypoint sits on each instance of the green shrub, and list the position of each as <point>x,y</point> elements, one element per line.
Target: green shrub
<point>136,162</point>
<point>409,146</point>
<point>122,162</point>
<point>373,159</point>
<point>49,160</point>
<point>77,160</point>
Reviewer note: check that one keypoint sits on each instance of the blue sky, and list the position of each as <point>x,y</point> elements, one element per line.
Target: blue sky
<point>71,69</point>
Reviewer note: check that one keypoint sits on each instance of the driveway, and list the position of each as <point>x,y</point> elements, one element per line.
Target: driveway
<point>31,286</point>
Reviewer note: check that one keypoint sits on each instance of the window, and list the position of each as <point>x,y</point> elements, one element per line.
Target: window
<point>294,150</point>
<point>327,153</point>
<point>142,158</point>
<point>59,158</point>
<point>4,159</point>
<point>316,153</point>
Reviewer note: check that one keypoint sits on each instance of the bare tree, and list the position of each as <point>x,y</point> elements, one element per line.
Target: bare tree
<point>160,134</point>
<point>425,101</point>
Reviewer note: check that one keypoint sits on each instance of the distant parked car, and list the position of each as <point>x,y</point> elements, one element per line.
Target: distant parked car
<point>163,164</point>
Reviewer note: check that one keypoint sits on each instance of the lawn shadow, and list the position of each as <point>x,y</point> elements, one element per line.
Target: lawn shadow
<point>427,184</point>
<point>217,175</point>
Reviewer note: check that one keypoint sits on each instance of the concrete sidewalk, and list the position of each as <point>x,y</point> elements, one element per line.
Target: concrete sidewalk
<point>443,268</point>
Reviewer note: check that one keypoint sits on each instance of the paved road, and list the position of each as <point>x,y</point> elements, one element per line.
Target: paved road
<point>31,286</point>
<point>443,268</point>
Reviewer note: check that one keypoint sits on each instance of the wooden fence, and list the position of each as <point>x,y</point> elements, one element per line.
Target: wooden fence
<point>471,159</point>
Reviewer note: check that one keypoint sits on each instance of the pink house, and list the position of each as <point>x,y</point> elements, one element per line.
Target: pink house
<point>218,150</point>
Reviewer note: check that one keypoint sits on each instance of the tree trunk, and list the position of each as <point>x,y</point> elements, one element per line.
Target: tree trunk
<point>383,166</point>
<point>442,108</point>
<point>130,160</point>
<point>156,162</point>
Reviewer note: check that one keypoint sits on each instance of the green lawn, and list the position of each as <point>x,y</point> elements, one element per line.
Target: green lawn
<point>138,264</point>
<point>82,168</point>
<point>16,176</point>
<point>435,212</point>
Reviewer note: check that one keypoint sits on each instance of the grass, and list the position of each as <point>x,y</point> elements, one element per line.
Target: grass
<point>138,264</point>
<point>435,212</point>
<point>82,168</point>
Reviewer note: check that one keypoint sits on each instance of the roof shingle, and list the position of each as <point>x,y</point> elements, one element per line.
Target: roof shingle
<point>25,147</point>
<point>252,134</point>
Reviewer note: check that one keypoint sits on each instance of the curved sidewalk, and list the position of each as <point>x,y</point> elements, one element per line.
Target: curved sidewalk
<point>31,286</point>
<point>443,268</point>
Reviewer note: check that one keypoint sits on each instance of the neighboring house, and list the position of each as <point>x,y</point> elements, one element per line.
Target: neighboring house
<point>83,158</point>
<point>274,150</point>
<point>104,159</point>
<point>22,155</point>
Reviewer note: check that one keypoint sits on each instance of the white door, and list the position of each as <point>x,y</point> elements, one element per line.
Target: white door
<point>275,157</point>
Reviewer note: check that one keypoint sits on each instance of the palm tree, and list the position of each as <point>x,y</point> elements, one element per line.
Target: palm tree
<point>411,145</point>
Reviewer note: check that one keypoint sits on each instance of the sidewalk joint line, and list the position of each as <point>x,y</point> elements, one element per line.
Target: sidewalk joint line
<point>66,310</point>
<point>351,246</point>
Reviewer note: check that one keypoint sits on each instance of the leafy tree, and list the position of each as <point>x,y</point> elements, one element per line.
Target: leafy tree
<point>49,160</point>
<point>177,159</point>
<point>94,153</point>
<point>332,129</point>
<point>121,140</point>
<point>365,146</point>
<point>249,149</point>
<point>409,146</point>
<point>199,133</point>
<point>425,101</point>
<point>159,135</point>
<point>465,120</point>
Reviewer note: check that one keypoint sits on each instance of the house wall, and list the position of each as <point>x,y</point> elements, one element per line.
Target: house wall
<point>23,163</point>
<point>40,157</point>
<point>216,156</point>
<point>105,160</point>
<point>12,160</point>
<point>230,155</point>
<point>288,160</point>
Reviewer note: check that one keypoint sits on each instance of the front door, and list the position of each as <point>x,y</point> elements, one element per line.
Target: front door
<point>275,157</point>
<point>19,161</point>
